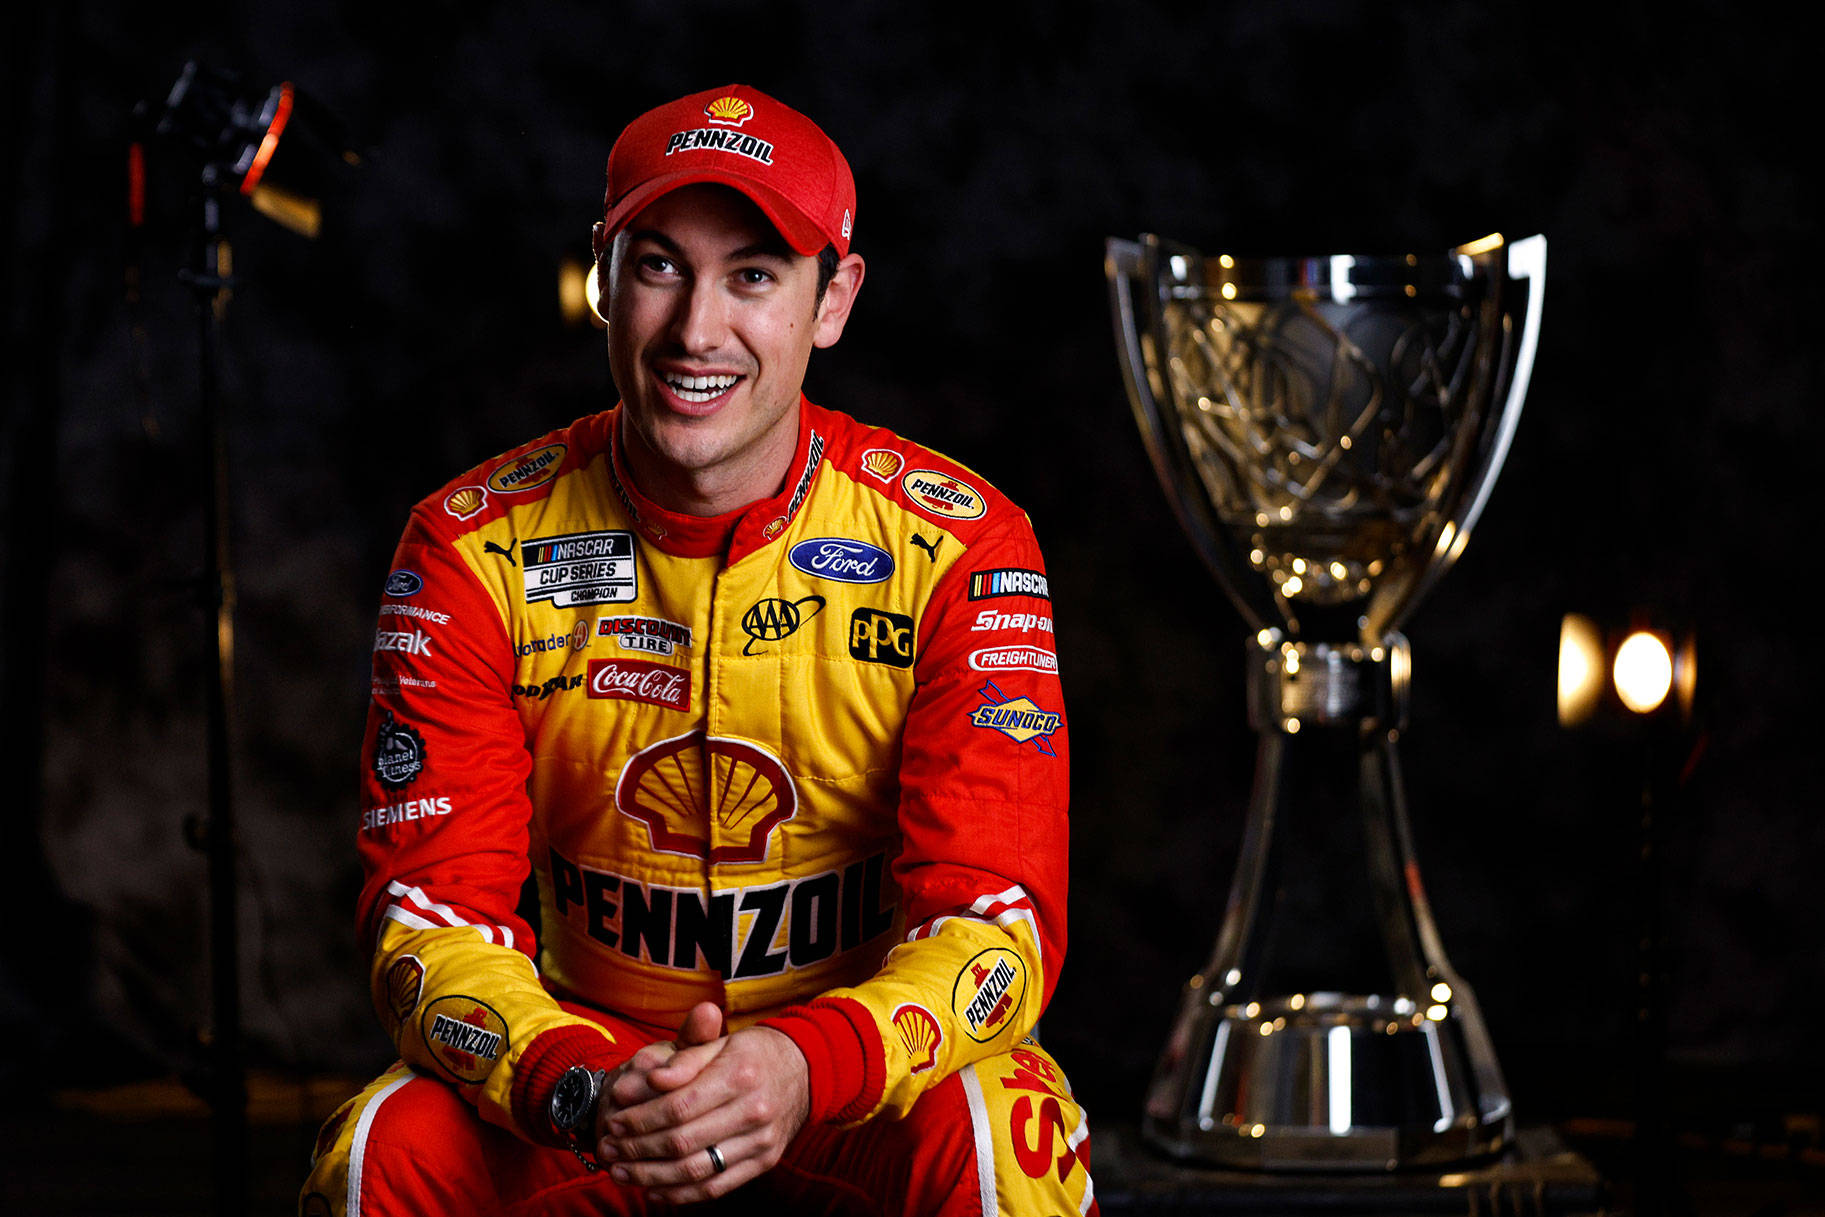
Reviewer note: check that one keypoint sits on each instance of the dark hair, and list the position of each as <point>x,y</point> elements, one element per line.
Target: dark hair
<point>827,260</point>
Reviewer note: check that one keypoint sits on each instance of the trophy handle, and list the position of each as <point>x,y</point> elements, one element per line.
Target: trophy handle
<point>1526,261</point>
<point>1126,264</point>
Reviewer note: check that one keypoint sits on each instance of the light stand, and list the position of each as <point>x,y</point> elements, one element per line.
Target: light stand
<point>233,139</point>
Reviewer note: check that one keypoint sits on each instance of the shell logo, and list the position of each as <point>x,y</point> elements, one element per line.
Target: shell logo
<point>405,983</point>
<point>742,790</point>
<point>465,501</point>
<point>729,111</point>
<point>920,1032</point>
<point>882,463</point>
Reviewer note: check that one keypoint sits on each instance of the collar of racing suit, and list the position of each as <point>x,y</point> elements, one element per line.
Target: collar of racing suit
<point>733,533</point>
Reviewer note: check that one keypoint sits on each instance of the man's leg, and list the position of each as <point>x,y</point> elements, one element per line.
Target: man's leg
<point>1001,1136</point>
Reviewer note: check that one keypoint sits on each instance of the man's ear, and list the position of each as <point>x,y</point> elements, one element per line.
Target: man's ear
<point>839,298</point>
<point>598,240</point>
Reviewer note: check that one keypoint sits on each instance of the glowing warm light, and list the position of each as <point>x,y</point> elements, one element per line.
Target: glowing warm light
<point>1580,669</point>
<point>573,291</point>
<point>1257,1130</point>
<point>1226,262</point>
<point>1441,992</point>
<point>1339,1075</point>
<point>1338,570</point>
<point>1643,672</point>
<point>1437,1013</point>
<point>1292,586</point>
<point>1482,245</point>
<point>1229,291</point>
<point>1252,1010</point>
<point>1291,726</point>
<point>1265,638</point>
<point>592,290</point>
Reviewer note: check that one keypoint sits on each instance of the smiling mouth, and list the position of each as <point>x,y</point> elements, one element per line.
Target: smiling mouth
<point>699,389</point>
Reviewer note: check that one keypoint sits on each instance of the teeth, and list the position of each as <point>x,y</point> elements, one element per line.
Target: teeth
<point>701,388</point>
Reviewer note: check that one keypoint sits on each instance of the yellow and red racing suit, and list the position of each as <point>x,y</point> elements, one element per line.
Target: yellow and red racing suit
<point>806,761</point>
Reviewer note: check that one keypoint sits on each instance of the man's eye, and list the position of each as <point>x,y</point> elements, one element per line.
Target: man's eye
<point>753,276</point>
<point>657,264</point>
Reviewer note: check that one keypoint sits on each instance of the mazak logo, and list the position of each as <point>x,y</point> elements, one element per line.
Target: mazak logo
<point>943,495</point>
<point>750,794</point>
<point>399,753</point>
<point>1018,718</point>
<point>1009,581</point>
<point>406,642</point>
<point>988,990</point>
<point>842,559</point>
<point>877,636</point>
<point>534,469</point>
<point>772,619</point>
<point>656,684</point>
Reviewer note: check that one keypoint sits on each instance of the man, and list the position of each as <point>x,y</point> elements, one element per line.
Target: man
<point>766,700</point>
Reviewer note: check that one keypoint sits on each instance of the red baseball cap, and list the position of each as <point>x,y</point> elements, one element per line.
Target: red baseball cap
<point>739,137</point>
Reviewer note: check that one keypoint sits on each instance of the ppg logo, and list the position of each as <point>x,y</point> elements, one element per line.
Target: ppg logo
<point>841,559</point>
<point>878,637</point>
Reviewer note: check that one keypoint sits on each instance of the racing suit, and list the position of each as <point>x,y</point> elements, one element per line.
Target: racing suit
<point>806,760</point>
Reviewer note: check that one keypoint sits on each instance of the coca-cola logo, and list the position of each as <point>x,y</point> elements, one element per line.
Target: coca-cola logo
<point>656,684</point>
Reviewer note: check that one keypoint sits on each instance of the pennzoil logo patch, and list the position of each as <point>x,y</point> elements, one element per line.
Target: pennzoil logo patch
<point>465,1036</point>
<point>988,992</point>
<point>534,469</point>
<point>944,496</point>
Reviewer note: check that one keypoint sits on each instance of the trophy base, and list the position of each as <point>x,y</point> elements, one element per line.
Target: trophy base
<point>1328,1082</point>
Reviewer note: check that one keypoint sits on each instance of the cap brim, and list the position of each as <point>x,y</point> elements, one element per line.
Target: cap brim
<point>801,232</point>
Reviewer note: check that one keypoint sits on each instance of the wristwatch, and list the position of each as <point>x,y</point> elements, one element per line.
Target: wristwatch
<point>573,1110</point>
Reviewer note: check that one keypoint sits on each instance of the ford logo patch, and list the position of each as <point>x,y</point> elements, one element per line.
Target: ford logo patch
<point>403,583</point>
<point>841,559</point>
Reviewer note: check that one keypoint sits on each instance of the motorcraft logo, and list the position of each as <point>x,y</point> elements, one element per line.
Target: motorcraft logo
<point>943,495</point>
<point>772,619</point>
<point>1018,718</point>
<point>1009,581</point>
<point>842,559</point>
<point>654,635</point>
<point>877,636</point>
<point>402,583</point>
<point>1014,659</point>
<point>534,469</point>
<point>399,753</point>
<point>988,991</point>
<point>465,1036</point>
<point>580,568</point>
<point>656,684</point>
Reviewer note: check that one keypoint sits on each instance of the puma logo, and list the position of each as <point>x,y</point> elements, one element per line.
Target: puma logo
<point>492,548</point>
<point>930,547</point>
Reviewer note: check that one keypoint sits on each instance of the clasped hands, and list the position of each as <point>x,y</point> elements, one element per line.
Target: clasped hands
<point>698,1117</point>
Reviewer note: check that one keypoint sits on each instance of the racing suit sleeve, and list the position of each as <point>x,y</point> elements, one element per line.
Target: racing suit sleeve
<point>983,865</point>
<point>443,847</point>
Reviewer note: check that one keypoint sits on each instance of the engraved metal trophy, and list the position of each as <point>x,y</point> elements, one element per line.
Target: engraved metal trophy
<point>1328,430</point>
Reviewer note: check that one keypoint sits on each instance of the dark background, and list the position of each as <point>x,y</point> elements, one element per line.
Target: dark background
<point>1660,467</point>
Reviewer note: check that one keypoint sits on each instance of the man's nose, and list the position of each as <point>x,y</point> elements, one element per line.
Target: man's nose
<point>702,321</point>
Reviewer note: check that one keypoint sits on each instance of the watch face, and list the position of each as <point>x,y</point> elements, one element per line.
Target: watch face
<point>572,1098</point>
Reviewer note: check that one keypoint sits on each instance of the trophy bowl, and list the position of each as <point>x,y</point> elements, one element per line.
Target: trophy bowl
<point>1328,430</point>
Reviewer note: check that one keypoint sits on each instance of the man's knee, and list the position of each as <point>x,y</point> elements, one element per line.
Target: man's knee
<point>1032,1138</point>
<point>404,1144</point>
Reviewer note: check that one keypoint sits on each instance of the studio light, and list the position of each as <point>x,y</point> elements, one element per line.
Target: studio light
<point>1642,669</point>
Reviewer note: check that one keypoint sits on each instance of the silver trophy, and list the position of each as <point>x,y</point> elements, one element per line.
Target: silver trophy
<point>1328,430</point>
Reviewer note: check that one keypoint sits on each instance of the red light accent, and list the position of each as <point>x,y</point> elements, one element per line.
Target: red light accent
<point>136,185</point>
<point>269,143</point>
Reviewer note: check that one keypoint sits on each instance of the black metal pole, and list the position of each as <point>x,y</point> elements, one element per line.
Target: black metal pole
<point>226,1070</point>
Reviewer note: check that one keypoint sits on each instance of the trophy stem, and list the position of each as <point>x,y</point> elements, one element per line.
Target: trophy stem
<point>1266,1075</point>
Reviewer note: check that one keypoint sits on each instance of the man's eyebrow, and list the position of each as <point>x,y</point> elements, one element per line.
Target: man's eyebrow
<point>768,247</point>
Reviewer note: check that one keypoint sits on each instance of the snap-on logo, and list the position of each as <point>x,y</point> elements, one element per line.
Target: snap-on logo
<point>842,559</point>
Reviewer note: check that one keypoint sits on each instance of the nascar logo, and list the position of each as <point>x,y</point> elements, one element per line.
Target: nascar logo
<point>1009,581</point>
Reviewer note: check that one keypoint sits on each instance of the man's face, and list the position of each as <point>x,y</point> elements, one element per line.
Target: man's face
<point>711,320</point>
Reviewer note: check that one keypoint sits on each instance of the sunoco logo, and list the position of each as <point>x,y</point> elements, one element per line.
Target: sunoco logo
<point>1019,718</point>
<point>943,495</point>
<point>843,560</point>
<point>534,469</point>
